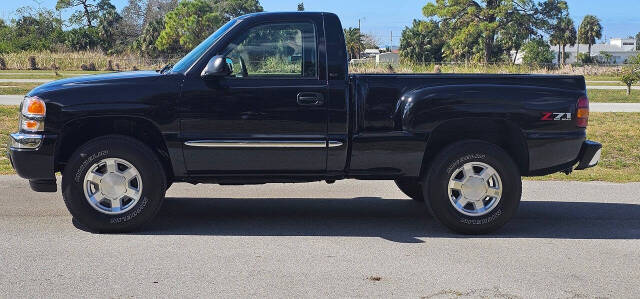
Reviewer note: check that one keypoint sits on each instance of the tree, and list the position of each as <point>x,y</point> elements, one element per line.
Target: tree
<point>82,38</point>
<point>108,26</point>
<point>230,9</point>
<point>564,34</point>
<point>34,30</point>
<point>513,36</point>
<point>85,15</point>
<point>132,20</point>
<point>353,39</point>
<point>537,52</point>
<point>629,78</point>
<point>146,43</point>
<point>590,30</point>
<point>631,73</point>
<point>301,6</point>
<point>421,42</point>
<point>193,21</point>
<point>188,25</point>
<point>369,42</point>
<point>157,10</point>
<point>638,41</point>
<point>477,22</point>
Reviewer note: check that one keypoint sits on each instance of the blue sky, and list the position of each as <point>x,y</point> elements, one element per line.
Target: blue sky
<point>620,18</point>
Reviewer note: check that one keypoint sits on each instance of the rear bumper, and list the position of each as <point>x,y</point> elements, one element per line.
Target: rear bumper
<point>589,155</point>
<point>32,157</point>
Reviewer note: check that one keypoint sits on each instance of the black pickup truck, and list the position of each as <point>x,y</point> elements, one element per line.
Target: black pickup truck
<point>267,98</point>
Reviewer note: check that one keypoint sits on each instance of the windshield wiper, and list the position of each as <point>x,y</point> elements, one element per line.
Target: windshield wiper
<point>166,68</point>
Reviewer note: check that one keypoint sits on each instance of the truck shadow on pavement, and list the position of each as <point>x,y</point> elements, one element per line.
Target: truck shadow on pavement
<point>397,220</point>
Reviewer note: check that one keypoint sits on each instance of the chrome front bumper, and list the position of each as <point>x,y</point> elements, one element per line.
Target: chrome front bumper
<point>25,141</point>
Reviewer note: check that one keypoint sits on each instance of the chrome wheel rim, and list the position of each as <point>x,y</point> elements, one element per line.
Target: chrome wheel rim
<point>112,186</point>
<point>475,189</point>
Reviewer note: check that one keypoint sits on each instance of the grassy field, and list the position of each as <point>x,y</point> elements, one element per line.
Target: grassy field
<point>8,125</point>
<point>613,96</point>
<point>602,78</point>
<point>16,88</point>
<point>618,132</point>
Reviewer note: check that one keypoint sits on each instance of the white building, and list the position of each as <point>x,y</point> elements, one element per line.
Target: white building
<point>619,50</point>
<point>371,52</point>
<point>391,58</point>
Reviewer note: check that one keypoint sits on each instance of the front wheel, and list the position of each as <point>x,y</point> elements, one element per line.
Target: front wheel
<point>473,187</point>
<point>113,184</point>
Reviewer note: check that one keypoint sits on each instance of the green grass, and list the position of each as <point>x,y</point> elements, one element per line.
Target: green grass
<point>8,125</point>
<point>602,78</point>
<point>613,96</point>
<point>16,88</point>
<point>619,134</point>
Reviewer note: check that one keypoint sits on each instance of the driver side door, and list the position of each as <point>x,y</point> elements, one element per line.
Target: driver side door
<point>269,116</point>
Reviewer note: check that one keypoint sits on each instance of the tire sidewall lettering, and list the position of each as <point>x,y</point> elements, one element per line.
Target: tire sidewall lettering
<point>88,162</point>
<point>141,205</point>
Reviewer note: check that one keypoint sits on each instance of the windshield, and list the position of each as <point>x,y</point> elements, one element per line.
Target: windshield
<point>183,65</point>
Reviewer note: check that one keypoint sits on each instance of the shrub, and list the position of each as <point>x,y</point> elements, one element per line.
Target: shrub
<point>537,52</point>
<point>33,65</point>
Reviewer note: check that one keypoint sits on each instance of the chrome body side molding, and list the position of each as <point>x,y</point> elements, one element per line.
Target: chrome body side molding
<point>264,143</point>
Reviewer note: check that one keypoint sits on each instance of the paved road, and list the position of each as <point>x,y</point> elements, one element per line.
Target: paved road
<point>11,99</point>
<point>614,107</point>
<point>612,87</point>
<point>25,80</point>
<point>351,239</point>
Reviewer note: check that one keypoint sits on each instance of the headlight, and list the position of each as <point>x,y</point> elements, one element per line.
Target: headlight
<point>32,115</point>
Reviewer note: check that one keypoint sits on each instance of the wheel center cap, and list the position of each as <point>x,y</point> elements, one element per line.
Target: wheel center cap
<point>113,185</point>
<point>474,188</point>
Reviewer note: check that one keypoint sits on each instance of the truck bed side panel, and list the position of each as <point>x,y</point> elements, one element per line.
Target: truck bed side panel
<point>397,114</point>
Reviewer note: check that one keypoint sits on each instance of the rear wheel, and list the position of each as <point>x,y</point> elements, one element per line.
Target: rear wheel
<point>411,188</point>
<point>113,184</point>
<point>473,187</point>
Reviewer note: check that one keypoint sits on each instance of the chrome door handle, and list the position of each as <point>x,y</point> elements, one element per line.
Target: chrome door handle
<point>310,99</point>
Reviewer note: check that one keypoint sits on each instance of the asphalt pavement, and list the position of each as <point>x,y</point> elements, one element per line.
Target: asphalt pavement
<point>350,239</point>
<point>612,87</point>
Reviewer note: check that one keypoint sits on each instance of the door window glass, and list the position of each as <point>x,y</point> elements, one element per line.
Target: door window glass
<point>275,50</point>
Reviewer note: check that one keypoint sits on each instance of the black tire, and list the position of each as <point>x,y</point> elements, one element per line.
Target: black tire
<point>411,188</point>
<point>445,164</point>
<point>121,147</point>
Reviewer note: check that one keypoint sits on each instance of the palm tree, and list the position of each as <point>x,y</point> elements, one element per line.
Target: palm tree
<point>590,30</point>
<point>353,39</point>
<point>564,34</point>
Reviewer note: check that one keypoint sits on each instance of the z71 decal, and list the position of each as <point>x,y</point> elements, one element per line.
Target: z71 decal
<point>555,116</point>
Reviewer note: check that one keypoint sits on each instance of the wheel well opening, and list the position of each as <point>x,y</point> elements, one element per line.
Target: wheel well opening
<point>499,132</point>
<point>79,132</point>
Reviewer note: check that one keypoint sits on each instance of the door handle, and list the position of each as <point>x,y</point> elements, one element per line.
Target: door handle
<point>310,99</point>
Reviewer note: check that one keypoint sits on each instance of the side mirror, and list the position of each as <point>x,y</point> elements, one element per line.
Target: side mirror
<point>216,67</point>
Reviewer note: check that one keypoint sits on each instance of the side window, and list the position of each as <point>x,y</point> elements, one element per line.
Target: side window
<point>283,50</point>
